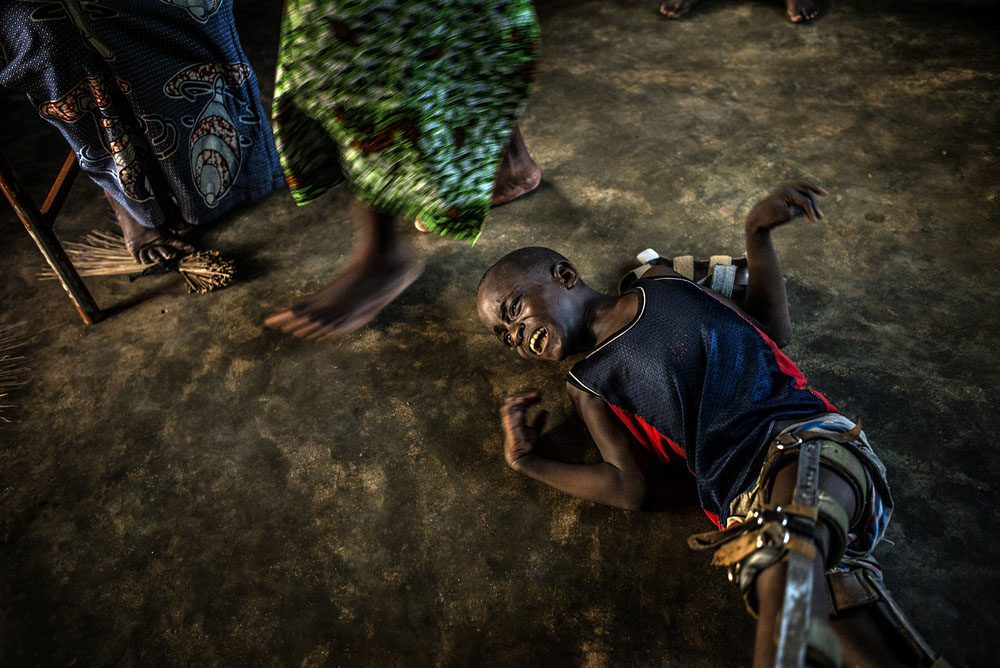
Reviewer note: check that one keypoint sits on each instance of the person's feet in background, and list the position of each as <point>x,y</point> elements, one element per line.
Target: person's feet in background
<point>675,9</point>
<point>799,11</point>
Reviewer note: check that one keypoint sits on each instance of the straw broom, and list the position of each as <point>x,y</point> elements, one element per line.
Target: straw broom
<point>102,253</point>
<point>12,369</point>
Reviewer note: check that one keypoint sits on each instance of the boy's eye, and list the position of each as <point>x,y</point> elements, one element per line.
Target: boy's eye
<point>505,337</point>
<point>515,308</point>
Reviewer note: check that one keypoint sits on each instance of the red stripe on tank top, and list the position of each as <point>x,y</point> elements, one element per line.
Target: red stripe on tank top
<point>659,445</point>
<point>649,437</point>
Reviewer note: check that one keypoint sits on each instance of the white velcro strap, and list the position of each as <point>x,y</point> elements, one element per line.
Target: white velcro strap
<point>723,279</point>
<point>647,256</point>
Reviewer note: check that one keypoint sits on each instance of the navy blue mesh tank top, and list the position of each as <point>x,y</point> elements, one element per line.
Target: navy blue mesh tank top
<point>692,377</point>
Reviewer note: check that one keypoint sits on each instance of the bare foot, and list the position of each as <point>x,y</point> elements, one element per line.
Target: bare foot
<point>800,11</point>
<point>380,272</point>
<point>147,245</point>
<point>518,173</point>
<point>674,9</point>
<point>350,301</point>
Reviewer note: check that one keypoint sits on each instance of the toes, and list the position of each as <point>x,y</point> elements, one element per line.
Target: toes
<point>350,306</point>
<point>166,248</point>
<point>279,319</point>
<point>801,14</point>
<point>672,11</point>
<point>181,245</point>
<point>312,329</point>
<point>809,185</point>
<point>292,326</point>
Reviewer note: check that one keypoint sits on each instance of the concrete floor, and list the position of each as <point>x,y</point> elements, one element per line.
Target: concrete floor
<point>185,487</point>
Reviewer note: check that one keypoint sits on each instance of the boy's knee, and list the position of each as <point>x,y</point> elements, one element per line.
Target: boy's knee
<point>842,495</point>
<point>777,525</point>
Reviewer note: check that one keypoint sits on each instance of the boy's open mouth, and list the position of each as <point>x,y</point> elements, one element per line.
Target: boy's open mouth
<point>538,340</point>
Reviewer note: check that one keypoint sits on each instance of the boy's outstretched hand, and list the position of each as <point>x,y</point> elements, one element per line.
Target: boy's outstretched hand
<point>519,436</point>
<point>785,203</point>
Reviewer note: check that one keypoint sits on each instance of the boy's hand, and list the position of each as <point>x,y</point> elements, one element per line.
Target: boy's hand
<point>784,204</point>
<point>519,436</point>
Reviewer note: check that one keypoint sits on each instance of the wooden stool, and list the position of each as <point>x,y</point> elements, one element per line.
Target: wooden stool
<point>39,224</point>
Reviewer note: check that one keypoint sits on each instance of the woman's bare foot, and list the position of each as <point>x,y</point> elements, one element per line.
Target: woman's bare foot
<point>380,271</point>
<point>674,9</point>
<point>518,173</point>
<point>147,245</point>
<point>800,11</point>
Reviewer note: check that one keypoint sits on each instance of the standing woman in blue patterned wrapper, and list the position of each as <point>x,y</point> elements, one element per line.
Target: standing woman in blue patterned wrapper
<point>157,100</point>
<point>413,104</point>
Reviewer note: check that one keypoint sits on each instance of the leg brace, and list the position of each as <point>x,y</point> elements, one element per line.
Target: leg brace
<point>789,532</point>
<point>856,583</point>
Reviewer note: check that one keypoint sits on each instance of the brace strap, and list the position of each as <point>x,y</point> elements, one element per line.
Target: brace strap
<point>684,265</point>
<point>835,517</point>
<point>796,438</point>
<point>718,260</point>
<point>646,257</point>
<point>791,527</point>
<point>724,279</point>
<point>851,589</point>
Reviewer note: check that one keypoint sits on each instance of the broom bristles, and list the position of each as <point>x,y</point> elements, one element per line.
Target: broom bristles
<point>13,372</point>
<point>103,253</point>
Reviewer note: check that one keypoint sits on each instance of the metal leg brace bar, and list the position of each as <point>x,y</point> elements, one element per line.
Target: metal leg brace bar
<point>792,636</point>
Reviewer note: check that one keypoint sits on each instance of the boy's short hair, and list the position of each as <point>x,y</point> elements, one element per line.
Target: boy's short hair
<point>523,260</point>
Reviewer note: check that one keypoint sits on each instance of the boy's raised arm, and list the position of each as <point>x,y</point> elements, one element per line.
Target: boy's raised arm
<point>619,480</point>
<point>766,300</point>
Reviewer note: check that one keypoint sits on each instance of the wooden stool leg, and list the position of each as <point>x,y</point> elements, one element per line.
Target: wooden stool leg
<point>40,230</point>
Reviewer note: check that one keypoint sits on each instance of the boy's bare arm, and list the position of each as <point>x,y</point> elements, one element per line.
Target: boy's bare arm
<point>619,480</point>
<point>766,301</point>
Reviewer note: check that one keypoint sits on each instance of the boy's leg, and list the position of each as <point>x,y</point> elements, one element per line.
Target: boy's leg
<point>863,638</point>
<point>771,582</point>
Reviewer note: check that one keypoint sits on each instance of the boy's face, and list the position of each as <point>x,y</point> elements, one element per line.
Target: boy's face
<point>531,313</point>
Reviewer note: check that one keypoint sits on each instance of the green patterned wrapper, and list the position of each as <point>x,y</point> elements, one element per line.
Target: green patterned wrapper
<point>412,102</point>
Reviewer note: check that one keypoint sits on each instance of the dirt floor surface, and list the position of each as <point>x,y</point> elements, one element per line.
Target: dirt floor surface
<point>182,486</point>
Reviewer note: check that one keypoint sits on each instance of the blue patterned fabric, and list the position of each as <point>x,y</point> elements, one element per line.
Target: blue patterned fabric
<point>156,98</point>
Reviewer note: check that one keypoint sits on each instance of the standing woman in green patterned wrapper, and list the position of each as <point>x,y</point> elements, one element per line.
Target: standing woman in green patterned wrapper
<point>414,105</point>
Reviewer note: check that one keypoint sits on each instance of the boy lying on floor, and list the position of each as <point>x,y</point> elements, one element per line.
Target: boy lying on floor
<point>675,371</point>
